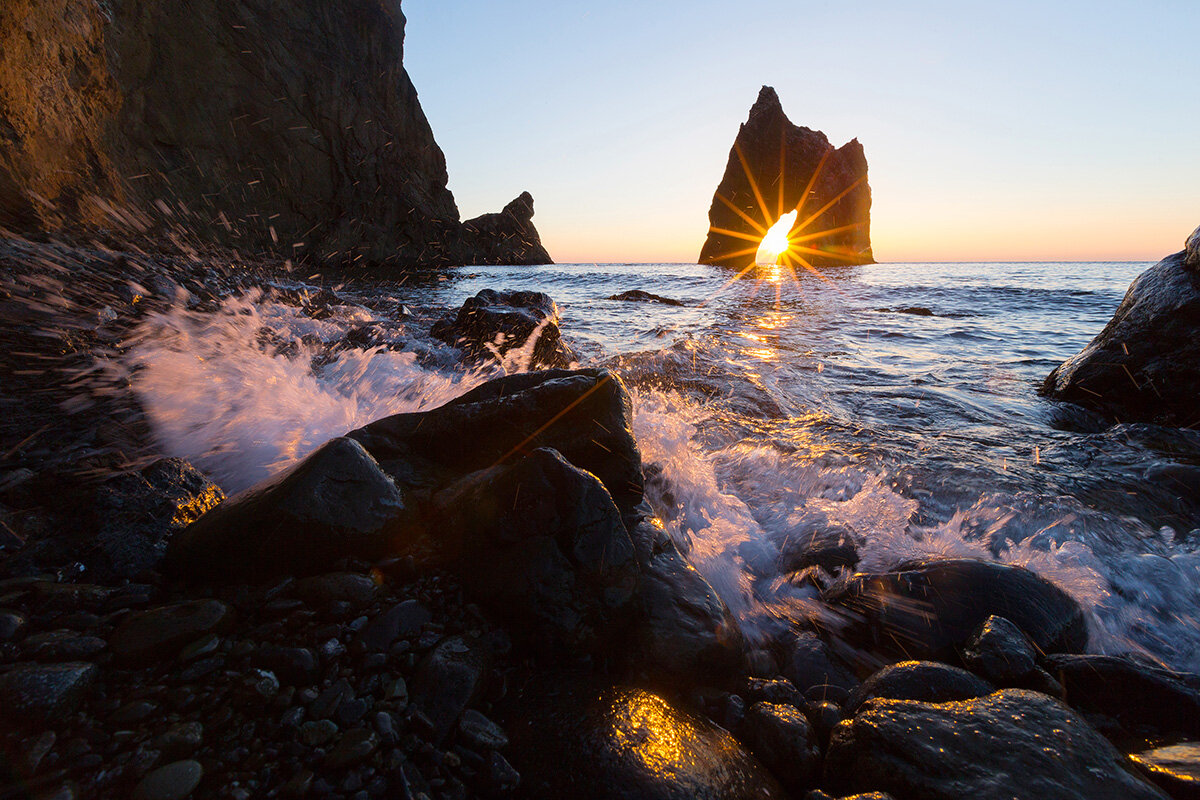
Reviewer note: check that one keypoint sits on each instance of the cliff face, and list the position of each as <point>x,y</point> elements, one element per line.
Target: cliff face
<point>270,125</point>
<point>775,167</point>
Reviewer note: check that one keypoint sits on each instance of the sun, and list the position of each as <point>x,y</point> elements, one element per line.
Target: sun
<point>775,243</point>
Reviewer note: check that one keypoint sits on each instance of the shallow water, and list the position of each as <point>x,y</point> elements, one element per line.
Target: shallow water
<point>893,403</point>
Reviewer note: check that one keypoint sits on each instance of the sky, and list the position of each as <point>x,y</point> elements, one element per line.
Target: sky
<point>1016,131</point>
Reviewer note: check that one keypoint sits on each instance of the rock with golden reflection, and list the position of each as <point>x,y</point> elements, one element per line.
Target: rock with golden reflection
<point>1011,744</point>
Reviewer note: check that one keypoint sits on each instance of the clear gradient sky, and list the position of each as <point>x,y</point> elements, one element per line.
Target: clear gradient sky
<point>993,130</point>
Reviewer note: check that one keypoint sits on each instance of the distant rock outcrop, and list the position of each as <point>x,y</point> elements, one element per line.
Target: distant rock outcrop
<point>1145,365</point>
<point>267,125</point>
<point>775,167</point>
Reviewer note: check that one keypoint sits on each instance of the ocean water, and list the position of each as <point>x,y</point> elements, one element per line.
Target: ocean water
<point>894,405</point>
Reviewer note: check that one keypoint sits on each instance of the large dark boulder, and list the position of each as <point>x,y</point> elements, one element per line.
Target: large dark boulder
<point>337,502</point>
<point>541,543</point>
<point>782,738</point>
<point>1144,701</point>
<point>1144,366</point>
<point>492,323</point>
<point>262,123</point>
<point>928,610</point>
<point>927,681</point>
<point>1011,744</point>
<point>586,415</point>
<point>570,740</point>
<point>507,237</point>
<point>776,167</point>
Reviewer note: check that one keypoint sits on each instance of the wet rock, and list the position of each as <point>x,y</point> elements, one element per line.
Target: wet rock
<point>481,733</point>
<point>1144,700</point>
<point>824,717</point>
<point>507,237</point>
<point>11,624</point>
<point>62,645</point>
<point>400,621</point>
<point>38,693</point>
<point>500,775</point>
<point>140,512</point>
<point>830,548</point>
<point>640,296</point>
<point>926,681</point>
<point>1000,652</point>
<point>993,746</point>
<point>773,691</point>
<point>334,587</point>
<point>1175,769</point>
<point>446,682</point>
<point>1142,366</point>
<point>492,323</point>
<point>173,781</point>
<point>335,503</point>
<point>331,699</point>
<point>179,740</point>
<point>162,632</point>
<point>354,747</point>
<point>781,737</point>
<point>686,630</point>
<point>293,666</point>
<point>929,609</point>
<point>542,544</point>
<point>807,172</point>
<point>809,663</point>
<point>618,744</point>
<point>586,415</point>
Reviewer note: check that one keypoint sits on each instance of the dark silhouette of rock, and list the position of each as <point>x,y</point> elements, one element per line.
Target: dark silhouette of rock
<point>997,746</point>
<point>337,502</point>
<point>261,124</point>
<point>614,743</point>
<point>1143,367</point>
<point>586,415</point>
<point>542,545</point>
<point>775,167</point>
<point>929,609</point>
<point>927,681</point>
<point>491,324</point>
<point>507,237</point>
<point>639,296</point>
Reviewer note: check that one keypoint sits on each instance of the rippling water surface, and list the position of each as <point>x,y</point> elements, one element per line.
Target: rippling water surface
<point>893,404</point>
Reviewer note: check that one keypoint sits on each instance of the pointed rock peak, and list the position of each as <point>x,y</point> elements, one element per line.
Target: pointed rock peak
<point>767,98</point>
<point>521,207</point>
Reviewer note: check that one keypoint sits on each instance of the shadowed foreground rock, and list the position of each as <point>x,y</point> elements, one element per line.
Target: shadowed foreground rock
<point>622,744</point>
<point>929,609</point>
<point>785,167</point>
<point>1145,365</point>
<point>1011,744</point>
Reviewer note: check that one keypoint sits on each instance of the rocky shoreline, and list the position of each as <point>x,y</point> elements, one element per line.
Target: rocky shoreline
<point>476,601</point>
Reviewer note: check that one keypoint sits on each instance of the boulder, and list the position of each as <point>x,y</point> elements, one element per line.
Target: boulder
<point>160,633</point>
<point>1175,768</point>
<point>337,502</point>
<point>1144,700</point>
<point>1142,367</point>
<point>1013,743</point>
<point>138,513</point>
<point>507,237</point>
<point>541,543</point>
<point>402,620</point>
<point>808,663</point>
<point>616,743</point>
<point>586,415</point>
<point>780,737</point>
<point>641,296</point>
<point>927,681</point>
<point>685,630</point>
<point>38,693</point>
<point>446,682</point>
<point>1000,652</point>
<point>928,610</point>
<point>491,324</point>
<point>776,167</point>
<point>294,130</point>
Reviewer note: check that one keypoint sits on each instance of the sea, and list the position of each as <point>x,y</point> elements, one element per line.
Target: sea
<point>894,405</point>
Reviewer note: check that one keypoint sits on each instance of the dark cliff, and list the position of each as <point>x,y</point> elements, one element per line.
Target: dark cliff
<point>776,167</point>
<point>273,126</point>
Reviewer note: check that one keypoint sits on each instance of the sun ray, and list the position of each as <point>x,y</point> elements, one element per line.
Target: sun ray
<point>808,237</point>
<point>762,204</point>
<point>726,285</point>
<point>737,234</point>
<point>812,181</point>
<point>745,252</point>
<point>782,171</point>
<point>828,253</point>
<point>828,205</point>
<point>741,213</point>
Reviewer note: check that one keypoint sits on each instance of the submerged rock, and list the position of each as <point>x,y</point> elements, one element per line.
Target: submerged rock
<point>785,167</point>
<point>929,609</point>
<point>337,502</point>
<point>1014,743</point>
<point>586,415</point>
<point>543,545</point>
<point>640,296</point>
<point>622,743</point>
<point>1144,366</point>
<point>491,324</point>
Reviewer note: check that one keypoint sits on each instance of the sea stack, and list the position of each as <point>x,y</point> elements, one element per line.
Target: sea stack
<point>776,167</point>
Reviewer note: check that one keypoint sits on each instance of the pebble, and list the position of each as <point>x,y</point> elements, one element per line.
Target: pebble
<point>173,781</point>
<point>480,732</point>
<point>317,732</point>
<point>329,700</point>
<point>11,624</point>
<point>39,692</point>
<point>354,747</point>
